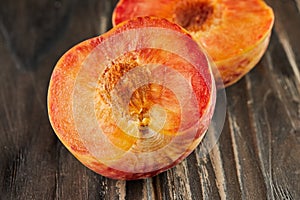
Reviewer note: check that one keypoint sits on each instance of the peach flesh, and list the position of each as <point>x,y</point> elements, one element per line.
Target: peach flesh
<point>235,34</point>
<point>122,144</point>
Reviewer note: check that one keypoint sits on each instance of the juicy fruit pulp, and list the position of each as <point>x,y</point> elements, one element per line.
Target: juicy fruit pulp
<point>133,102</point>
<point>235,34</point>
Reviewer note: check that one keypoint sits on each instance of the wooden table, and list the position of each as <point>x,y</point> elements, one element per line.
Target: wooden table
<point>257,155</point>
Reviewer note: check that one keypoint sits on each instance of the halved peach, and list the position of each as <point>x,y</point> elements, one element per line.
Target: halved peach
<point>133,102</point>
<point>235,34</point>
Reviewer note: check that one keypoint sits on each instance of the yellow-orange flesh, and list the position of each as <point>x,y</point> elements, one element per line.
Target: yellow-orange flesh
<point>235,34</point>
<point>151,119</point>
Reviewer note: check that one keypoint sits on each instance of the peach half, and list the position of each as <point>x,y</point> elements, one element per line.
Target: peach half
<point>134,101</point>
<point>235,34</point>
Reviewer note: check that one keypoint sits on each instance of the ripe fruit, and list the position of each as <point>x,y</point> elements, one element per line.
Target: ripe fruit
<point>133,102</point>
<point>235,34</point>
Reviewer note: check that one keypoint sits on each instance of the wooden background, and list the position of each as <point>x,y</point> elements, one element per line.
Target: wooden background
<point>256,157</point>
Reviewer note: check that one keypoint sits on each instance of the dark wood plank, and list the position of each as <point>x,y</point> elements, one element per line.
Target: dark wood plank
<point>273,136</point>
<point>257,154</point>
<point>34,164</point>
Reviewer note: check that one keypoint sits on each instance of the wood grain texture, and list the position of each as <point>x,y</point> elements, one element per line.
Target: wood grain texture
<point>256,157</point>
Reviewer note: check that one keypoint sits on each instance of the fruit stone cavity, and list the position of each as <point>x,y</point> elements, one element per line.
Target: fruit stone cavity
<point>193,15</point>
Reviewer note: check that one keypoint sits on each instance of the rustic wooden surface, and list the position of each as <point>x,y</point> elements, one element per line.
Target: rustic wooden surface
<point>256,157</point>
